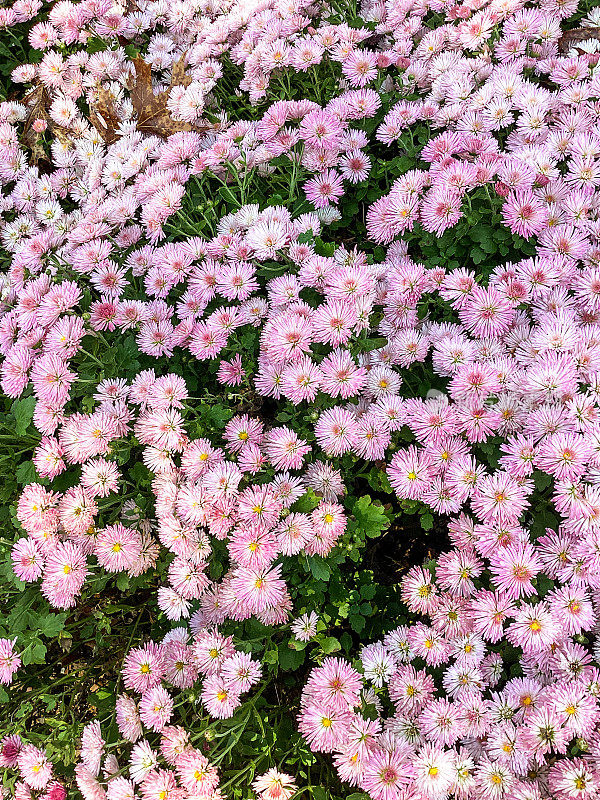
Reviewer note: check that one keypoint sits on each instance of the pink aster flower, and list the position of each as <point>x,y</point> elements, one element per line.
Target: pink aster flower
<point>219,698</point>
<point>34,767</point>
<point>9,660</point>
<point>156,708</point>
<point>274,785</point>
<point>28,560</point>
<point>325,189</point>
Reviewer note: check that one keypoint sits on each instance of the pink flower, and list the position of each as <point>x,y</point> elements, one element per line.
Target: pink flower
<point>274,785</point>
<point>9,660</point>
<point>34,767</point>
<point>325,189</point>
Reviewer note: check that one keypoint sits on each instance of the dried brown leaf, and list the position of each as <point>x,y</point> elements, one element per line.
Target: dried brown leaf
<point>573,37</point>
<point>153,115</point>
<point>104,116</point>
<point>37,102</point>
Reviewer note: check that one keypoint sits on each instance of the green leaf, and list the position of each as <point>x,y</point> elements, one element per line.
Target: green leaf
<point>366,345</point>
<point>123,581</point>
<point>229,196</point>
<point>542,480</point>
<point>22,411</point>
<point>271,656</point>
<point>306,237</point>
<point>357,622</point>
<point>330,645</point>
<point>307,503</point>
<point>96,45</point>
<point>371,518</point>
<point>319,568</point>
<point>427,521</point>
<point>25,472</point>
<point>290,659</point>
<point>51,625</point>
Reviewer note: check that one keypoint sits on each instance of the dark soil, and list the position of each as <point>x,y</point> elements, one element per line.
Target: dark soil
<point>403,546</point>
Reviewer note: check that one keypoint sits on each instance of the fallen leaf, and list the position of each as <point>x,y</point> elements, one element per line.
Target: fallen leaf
<point>573,37</point>
<point>37,102</point>
<point>104,116</point>
<point>153,115</point>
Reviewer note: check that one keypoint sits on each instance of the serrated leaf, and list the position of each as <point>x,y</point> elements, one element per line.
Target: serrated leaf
<point>290,658</point>
<point>22,411</point>
<point>319,568</point>
<point>51,625</point>
<point>25,473</point>
<point>427,522</point>
<point>371,518</point>
<point>330,645</point>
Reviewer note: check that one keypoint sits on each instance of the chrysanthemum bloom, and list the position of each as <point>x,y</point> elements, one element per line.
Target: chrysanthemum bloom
<point>211,649</point>
<point>10,747</point>
<point>9,660</point>
<point>196,773</point>
<point>305,627</point>
<point>258,589</point>
<point>36,510</point>
<point>499,497</point>
<point>323,727</point>
<point>534,628</point>
<point>241,672</point>
<point>220,698</point>
<point>336,684</point>
<point>410,472</point>
<point>434,771</point>
<point>284,449</point>
<point>117,548</point>
<point>143,668</point>
<point>293,533</point>
<point>54,791</point>
<point>77,510</point>
<point>419,592</point>
<point>65,572</point>
<point>143,761</point>
<point>524,213</point>
<point>159,783</point>
<point>92,747</point>
<point>120,788</point>
<point>274,785</point>
<point>156,708</point>
<point>28,560</point>
<point>513,569</point>
<point>128,718</point>
<point>387,773</point>
<point>34,767</point>
<point>242,430</point>
<point>574,778</point>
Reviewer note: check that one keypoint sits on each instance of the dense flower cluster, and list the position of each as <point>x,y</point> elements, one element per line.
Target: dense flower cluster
<point>514,348</point>
<point>210,494</point>
<point>35,770</point>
